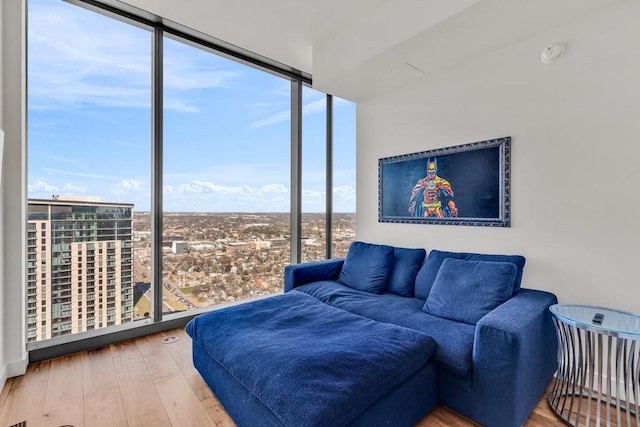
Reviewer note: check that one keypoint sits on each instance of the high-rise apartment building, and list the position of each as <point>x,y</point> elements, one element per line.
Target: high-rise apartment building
<point>80,266</point>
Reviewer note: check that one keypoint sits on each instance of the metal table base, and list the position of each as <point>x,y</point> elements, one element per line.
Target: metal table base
<point>598,377</point>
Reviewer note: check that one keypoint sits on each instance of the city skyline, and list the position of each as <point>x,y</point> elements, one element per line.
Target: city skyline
<point>226,125</point>
<point>89,263</point>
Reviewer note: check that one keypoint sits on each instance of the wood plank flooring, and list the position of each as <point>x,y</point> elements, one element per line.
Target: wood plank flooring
<point>143,382</point>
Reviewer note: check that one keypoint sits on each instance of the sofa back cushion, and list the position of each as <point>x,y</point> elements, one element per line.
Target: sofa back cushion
<point>406,263</point>
<point>367,267</point>
<point>465,291</point>
<point>427,274</point>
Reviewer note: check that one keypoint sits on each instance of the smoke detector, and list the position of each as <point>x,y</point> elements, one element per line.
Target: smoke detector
<point>551,53</point>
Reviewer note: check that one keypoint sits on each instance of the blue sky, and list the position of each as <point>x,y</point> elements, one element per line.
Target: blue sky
<point>226,125</point>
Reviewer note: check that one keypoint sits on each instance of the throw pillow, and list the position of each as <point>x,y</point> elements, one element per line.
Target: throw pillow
<point>427,274</point>
<point>406,263</point>
<point>367,267</point>
<point>465,291</point>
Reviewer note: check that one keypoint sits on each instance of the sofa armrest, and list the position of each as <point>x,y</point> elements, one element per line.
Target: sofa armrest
<point>301,274</point>
<point>515,355</point>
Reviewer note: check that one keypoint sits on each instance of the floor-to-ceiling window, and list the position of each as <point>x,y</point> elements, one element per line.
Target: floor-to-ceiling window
<point>226,157</point>
<point>132,125</point>
<point>314,179</point>
<point>89,131</point>
<point>344,176</point>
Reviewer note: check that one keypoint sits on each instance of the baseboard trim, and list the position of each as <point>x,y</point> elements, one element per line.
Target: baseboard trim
<point>14,368</point>
<point>3,377</point>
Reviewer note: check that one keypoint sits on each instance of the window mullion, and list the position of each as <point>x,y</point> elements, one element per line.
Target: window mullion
<point>296,172</point>
<point>329,180</point>
<point>156,171</point>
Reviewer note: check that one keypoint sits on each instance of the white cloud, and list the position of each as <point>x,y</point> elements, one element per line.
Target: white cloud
<point>129,185</point>
<point>204,195</point>
<point>344,192</point>
<point>202,187</point>
<point>40,185</point>
<point>127,189</point>
<point>313,194</point>
<point>180,106</point>
<point>313,107</point>
<point>273,189</point>
<point>273,119</point>
<point>317,106</point>
<point>339,102</point>
<point>344,198</point>
<point>209,196</point>
<point>313,200</point>
<point>71,173</point>
<point>79,58</point>
<point>188,72</point>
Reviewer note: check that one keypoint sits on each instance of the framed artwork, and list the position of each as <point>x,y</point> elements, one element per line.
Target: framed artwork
<point>463,185</point>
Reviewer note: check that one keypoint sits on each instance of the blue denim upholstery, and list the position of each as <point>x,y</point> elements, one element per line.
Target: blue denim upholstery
<point>493,372</point>
<point>299,274</point>
<point>454,339</point>
<point>427,274</point>
<point>496,371</point>
<point>406,263</point>
<point>367,267</point>
<point>404,406</point>
<point>466,291</point>
<point>514,359</point>
<point>307,362</point>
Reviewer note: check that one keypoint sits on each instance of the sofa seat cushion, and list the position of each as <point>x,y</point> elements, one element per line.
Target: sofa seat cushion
<point>454,339</point>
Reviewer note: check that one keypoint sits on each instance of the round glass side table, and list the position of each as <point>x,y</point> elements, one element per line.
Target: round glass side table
<point>598,377</point>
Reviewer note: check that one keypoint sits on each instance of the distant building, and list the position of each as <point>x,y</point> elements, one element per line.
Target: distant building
<point>139,236</point>
<point>309,241</point>
<point>260,244</point>
<point>180,247</point>
<point>91,199</point>
<point>203,247</point>
<point>279,242</point>
<point>238,246</point>
<point>79,266</point>
<point>168,239</point>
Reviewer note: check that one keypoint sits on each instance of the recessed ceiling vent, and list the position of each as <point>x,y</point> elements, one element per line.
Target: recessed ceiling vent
<point>414,68</point>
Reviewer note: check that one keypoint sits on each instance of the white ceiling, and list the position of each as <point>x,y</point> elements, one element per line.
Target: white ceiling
<point>359,48</point>
<point>284,30</point>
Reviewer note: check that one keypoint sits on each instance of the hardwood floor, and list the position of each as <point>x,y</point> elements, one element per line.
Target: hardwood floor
<point>142,382</point>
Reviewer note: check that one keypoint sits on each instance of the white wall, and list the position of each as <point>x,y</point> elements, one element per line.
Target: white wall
<point>575,128</point>
<point>13,356</point>
<point>3,366</point>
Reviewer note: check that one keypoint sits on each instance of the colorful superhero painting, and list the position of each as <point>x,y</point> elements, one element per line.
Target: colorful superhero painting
<point>432,195</point>
<point>465,184</point>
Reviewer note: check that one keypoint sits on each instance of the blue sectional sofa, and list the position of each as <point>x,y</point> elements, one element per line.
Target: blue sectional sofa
<point>380,338</point>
